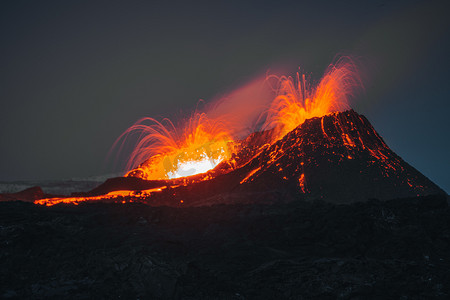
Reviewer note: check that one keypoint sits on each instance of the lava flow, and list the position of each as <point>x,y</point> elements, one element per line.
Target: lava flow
<point>116,196</point>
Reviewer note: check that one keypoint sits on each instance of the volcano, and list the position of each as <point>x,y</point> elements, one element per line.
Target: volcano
<point>338,158</point>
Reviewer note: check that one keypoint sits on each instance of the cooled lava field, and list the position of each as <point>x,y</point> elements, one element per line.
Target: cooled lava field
<point>396,249</point>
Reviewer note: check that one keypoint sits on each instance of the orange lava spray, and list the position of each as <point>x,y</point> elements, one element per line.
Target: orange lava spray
<point>298,100</point>
<point>165,151</point>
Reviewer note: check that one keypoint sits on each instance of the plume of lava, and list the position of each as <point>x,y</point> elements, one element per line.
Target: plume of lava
<point>166,152</point>
<point>298,99</point>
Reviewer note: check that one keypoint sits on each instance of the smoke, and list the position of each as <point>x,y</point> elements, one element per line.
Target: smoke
<point>243,107</point>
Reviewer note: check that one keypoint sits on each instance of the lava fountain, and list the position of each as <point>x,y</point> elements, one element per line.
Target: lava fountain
<point>298,99</point>
<point>164,151</point>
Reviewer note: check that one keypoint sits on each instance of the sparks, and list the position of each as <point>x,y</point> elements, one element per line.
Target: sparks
<point>298,100</point>
<point>167,152</point>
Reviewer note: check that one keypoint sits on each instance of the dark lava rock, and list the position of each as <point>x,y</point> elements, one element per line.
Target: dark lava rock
<point>397,249</point>
<point>29,194</point>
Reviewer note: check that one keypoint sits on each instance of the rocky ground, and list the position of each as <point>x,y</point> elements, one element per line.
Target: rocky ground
<point>397,249</point>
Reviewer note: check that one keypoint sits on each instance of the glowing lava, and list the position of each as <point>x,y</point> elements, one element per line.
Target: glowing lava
<point>165,152</point>
<point>112,196</point>
<point>298,100</point>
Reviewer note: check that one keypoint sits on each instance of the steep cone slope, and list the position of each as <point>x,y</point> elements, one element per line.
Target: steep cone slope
<point>338,157</point>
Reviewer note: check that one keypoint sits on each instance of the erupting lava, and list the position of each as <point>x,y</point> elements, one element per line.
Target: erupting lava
<point>163,152</point>
<point>298,100</point>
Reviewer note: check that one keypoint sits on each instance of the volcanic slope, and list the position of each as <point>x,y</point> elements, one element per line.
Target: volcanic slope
<point>338,157</point>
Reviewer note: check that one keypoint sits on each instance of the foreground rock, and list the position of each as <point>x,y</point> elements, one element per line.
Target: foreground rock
<point>398,249</point>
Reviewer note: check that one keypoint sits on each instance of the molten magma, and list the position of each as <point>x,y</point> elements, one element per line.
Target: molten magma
<point>298,100</point>
<point>112,196</point>
<point>165,152</point>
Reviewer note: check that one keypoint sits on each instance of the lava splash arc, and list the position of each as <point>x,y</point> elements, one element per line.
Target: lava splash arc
<point>164,151</point>
<point>299,99</point>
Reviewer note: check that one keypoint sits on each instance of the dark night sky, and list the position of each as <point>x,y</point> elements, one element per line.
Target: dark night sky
<point>75,75</point>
